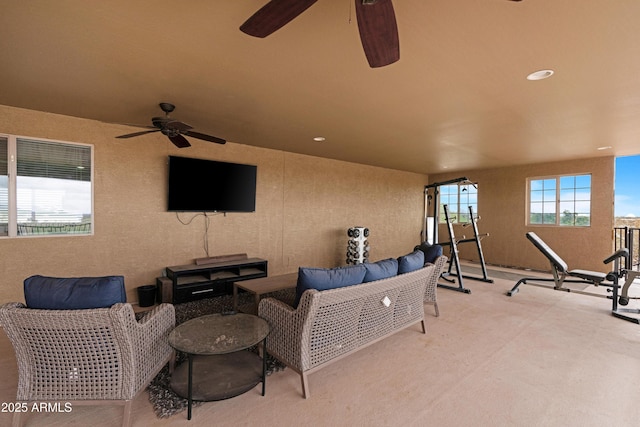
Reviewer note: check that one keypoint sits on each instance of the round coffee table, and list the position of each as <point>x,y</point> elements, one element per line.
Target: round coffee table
<point>215,346</point>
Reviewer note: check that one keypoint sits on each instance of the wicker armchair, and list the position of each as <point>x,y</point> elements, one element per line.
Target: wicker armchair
<point>92,356</point>
<point>432,284</point>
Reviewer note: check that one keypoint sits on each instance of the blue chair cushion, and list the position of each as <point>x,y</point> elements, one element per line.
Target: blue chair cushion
<point>73,293</point>
<point>328,278</point>
<point>411,262</point>
<point>381,270</point>
<point>431,252</point>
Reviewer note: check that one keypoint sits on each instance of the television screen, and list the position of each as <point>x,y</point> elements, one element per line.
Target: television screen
<point>198,185</point>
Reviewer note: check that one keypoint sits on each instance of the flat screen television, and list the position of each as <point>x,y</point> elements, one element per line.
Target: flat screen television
<point>199,185</point>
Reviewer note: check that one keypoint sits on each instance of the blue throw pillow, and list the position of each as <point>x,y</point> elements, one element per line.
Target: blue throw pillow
<point>328,278</point>
<point>411,262</point>
<point>381,270</point>
<point>431,252</point>
<point>54,293</point>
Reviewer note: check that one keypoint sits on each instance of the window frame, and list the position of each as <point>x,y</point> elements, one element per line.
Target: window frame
<point>12,171</point>
<point>558,200</point>
<point>458,214</point>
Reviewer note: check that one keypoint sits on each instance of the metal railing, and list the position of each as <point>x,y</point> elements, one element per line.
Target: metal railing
<point>53,228</point>
<point>628,237</point>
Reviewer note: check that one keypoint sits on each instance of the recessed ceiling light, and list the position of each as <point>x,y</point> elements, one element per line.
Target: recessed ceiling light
<point>608,147</point>
<point>540,75</point>
<point>319,138</point>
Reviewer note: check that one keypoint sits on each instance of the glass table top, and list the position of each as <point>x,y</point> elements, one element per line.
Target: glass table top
<point>218,333</point>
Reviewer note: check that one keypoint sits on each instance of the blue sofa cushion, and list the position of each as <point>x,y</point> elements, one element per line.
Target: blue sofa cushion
<point>431,252</point>
<point>73,293</point>
<point>381,269</point>
<point>328,278</point>
<point>411,262</point>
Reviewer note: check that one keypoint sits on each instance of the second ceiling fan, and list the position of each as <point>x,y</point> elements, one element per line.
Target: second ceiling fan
<point>175,130</point>
<point>376,24</point>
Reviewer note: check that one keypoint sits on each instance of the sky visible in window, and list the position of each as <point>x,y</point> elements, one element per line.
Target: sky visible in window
<point>627,186</point>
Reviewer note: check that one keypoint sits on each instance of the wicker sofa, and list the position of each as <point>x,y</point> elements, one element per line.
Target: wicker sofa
<point>330,324</point>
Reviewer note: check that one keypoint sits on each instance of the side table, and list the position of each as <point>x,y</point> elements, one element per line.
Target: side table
<point>215,346</point>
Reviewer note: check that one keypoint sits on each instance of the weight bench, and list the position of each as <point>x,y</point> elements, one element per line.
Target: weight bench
<point>562,274</point>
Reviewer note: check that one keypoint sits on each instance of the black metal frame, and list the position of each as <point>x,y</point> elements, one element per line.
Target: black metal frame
<point>561,274</point>
<point>624,298</point>
<point>190,374</point>
<point>436,204</point>
<point>627,237</point>
<point>454,259</point>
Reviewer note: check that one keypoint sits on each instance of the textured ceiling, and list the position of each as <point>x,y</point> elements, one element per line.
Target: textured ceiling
<point>458,98</point>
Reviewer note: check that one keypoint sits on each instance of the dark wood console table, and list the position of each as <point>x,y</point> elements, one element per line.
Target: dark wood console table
<point>191,282</point>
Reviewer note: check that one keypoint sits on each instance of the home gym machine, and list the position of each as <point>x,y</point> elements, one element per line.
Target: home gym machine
<point>619,312</point>
<point>561,275</point>
<point>626,236</point>
<point>432,198</point>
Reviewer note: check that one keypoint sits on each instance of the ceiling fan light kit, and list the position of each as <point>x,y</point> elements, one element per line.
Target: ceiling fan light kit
<point>173,129</point>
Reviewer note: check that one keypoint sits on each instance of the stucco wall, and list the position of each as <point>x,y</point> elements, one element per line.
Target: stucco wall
<point>502,199</point>
<point>304,206</point>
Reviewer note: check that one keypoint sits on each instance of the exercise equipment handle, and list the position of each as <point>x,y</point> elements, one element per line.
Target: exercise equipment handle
<point>624,252</point>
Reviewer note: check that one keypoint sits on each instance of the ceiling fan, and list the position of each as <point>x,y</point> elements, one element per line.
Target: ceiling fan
<point>376,24</point>
<point>175,130</point>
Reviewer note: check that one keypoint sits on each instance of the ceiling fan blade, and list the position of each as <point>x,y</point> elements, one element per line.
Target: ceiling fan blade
<point>131,135</point>
<point>179,141</point>
<point>204,137</point>
<point>137,126</point>
<point>378,32</point>
<point>273,16</point>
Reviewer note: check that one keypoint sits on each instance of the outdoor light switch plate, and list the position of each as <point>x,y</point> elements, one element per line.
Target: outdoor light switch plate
<point>386,301</point>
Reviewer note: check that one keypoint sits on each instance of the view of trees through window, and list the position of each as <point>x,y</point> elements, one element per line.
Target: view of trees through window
<point>458,198</point>
<point>562,200</point>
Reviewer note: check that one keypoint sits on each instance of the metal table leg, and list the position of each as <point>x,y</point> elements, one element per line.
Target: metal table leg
<point>190,387</point>
<point>264,365</point>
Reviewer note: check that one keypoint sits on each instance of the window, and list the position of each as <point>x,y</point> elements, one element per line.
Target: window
<point>46,187</point>
<point>4,188</point>
<point>561,200</point>
<point>458,198</point>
